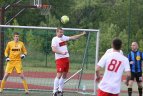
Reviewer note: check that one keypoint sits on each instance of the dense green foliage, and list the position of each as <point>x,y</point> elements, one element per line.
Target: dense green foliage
<point>115,18</point>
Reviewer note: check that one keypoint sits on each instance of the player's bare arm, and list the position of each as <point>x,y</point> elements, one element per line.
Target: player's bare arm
<point>98,75</point>
<point>128,77</point>
<point>55,50</point>
<point>77,36</point>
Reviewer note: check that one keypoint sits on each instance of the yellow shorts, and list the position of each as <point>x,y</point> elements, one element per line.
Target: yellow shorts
<point>11,65</point>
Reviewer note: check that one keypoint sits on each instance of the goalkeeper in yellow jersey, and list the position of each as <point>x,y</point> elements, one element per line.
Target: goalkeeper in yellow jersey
<point>15,51</point>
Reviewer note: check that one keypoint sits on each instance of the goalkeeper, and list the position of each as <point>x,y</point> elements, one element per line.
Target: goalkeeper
<point>15,51</point>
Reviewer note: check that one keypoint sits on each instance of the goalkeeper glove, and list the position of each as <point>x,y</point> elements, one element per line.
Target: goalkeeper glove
<point>22,56</point>
<point>7,59</point>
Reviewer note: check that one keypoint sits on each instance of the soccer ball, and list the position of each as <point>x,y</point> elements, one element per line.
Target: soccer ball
<point>64,19</point>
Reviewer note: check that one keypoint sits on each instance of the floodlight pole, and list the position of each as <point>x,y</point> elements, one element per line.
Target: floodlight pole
<point>2,12</point>
<point>129,26</point>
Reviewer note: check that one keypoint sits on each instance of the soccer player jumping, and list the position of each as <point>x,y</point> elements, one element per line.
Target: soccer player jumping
<point>14,52</point>
<point>59,47</point>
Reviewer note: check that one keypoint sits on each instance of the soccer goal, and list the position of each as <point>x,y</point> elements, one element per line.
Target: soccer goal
<point>39,64</point>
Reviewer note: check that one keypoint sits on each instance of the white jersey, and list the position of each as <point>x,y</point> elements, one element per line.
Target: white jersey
<point>61,45</point>
<point>112,50</point>
<point>115,63</point>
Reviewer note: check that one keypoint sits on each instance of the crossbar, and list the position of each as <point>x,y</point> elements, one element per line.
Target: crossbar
<point>50,28</point>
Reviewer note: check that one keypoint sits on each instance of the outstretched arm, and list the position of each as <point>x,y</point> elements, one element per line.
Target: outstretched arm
<point>77,36</point>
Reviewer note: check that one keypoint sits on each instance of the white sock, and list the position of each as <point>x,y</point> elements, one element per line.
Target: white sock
<point>56,84</point>
<point>61,84</point>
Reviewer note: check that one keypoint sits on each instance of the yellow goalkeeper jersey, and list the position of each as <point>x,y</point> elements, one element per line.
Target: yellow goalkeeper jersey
<point>14,50</point>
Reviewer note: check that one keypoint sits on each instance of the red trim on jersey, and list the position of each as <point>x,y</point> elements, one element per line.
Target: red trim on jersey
<point>62,43</point>
<point>62,64</point>
<point>102,93</point>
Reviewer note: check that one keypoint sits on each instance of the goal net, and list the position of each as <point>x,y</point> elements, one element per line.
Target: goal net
<point>39,65</point>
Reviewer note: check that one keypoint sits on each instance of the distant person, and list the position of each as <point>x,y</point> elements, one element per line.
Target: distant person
<point>115,63</point>
<point>59,47</point>
<point>15,51</point>
<point>135,59</point>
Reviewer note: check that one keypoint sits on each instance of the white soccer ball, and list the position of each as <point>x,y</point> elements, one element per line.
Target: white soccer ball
<point>64,19</point>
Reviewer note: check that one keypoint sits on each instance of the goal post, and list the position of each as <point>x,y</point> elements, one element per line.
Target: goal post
<point>40,76</point>
<point>49,28</point>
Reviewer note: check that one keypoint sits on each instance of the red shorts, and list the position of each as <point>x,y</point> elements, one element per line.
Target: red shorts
<point>102,93</point>
<point>62,64</point>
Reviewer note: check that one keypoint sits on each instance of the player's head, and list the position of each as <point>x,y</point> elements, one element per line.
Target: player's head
<point>116,44</point>
<point>59,32</point>
<point>134,46</point>
<point>16,36</point>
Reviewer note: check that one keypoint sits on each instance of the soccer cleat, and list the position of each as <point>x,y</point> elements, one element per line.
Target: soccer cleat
<point>27,92</point>
<point>55,94</point>
<point>60,93</point>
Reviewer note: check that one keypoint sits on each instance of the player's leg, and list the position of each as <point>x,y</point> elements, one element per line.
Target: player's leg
<point>140,88</point>
<point>61,83</point>
<point>139,82</point>
<point>130,87</point>
<point>19,70</point>
<point>6,75</point>
<point>60,70</point>
<point>9,69</point>
<point>24,82</point>
<point>131,84</point>
<point>65,69</point>
<point>56,83</point>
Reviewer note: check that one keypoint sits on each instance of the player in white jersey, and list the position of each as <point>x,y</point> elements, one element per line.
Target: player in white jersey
<point>115,63</point>
<point>59,47</point>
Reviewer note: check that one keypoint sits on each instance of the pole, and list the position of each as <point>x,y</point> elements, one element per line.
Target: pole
<point>2,11</point>
<point>129,26</point>
<point>83,61</point>
<point>96,60</point>
<point>46,50</point>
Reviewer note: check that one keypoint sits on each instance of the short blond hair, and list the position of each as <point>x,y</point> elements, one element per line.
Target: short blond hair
<point>16,33</point>
<point>59,28</point>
